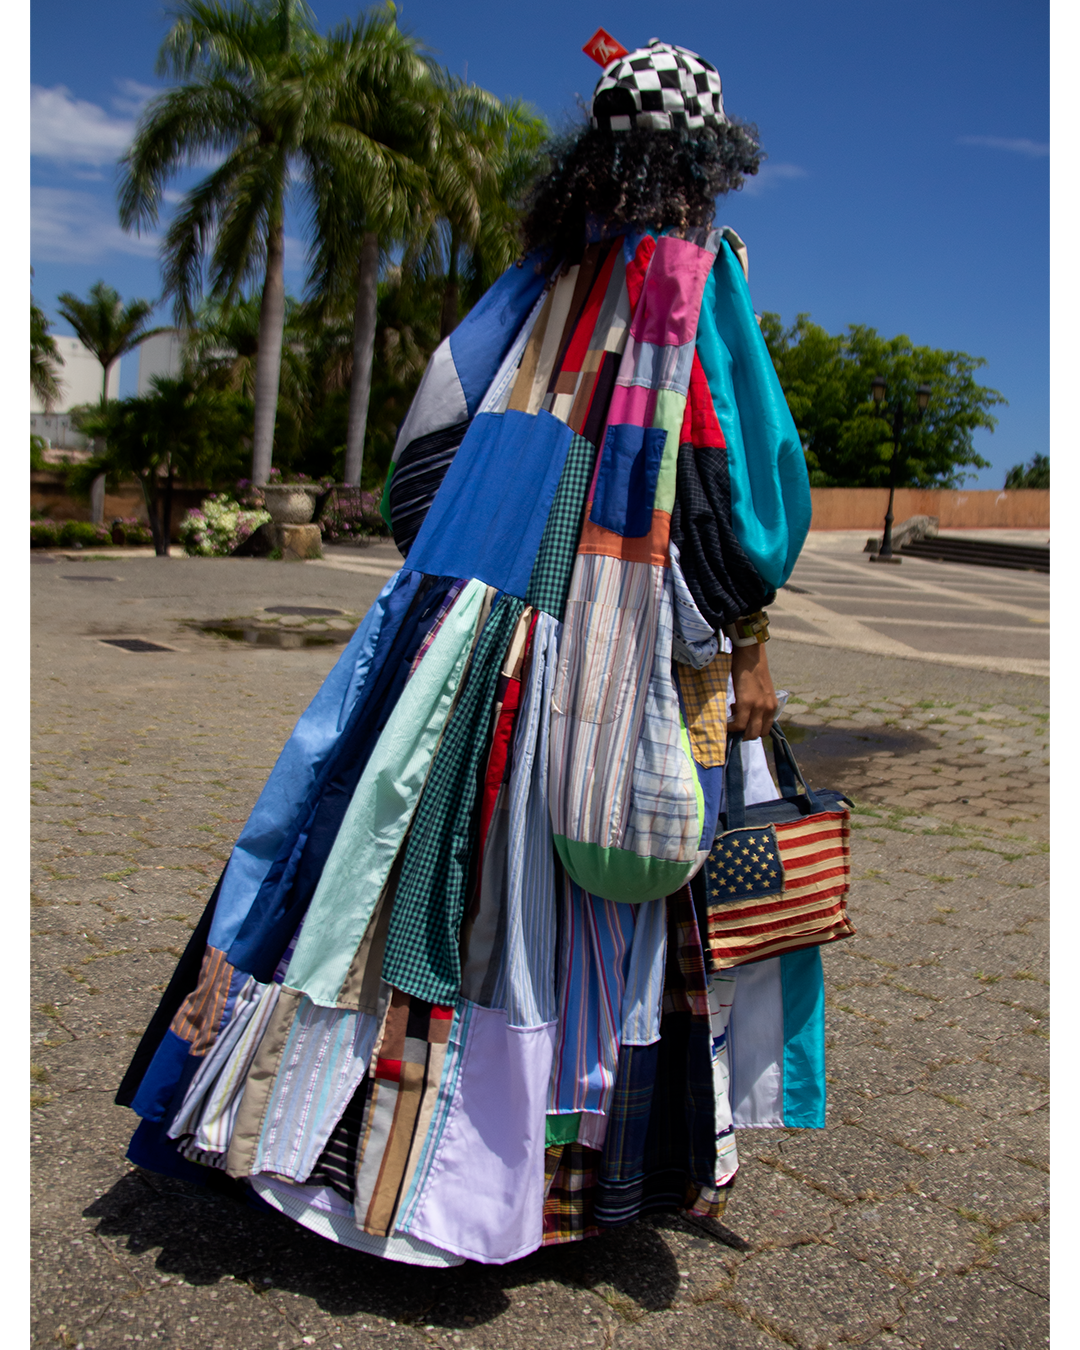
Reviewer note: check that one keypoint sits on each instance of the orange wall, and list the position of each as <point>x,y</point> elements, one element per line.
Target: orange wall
<point>864,508</point>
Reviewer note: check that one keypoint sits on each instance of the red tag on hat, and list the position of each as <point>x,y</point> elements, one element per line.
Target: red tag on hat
<point>603,48</point>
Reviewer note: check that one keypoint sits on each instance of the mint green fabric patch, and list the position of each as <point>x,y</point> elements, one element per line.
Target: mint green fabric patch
<point>619,875</point>
<point>670,410</point>
<point>382,809</point>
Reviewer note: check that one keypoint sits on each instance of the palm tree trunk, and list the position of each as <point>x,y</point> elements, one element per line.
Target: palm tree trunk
<point>449,318</point>
<point>268,360</point>
<point>367,295</point>
<point>150,498</point>
<point>166,514</point>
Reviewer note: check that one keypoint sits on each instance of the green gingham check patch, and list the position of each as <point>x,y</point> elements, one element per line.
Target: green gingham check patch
<point>422,954</point>
<point>549,584</point>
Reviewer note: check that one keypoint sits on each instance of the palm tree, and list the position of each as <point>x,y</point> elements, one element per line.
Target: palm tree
<point>487,156</point>
<point>44,358</point>
<point>251,93</point>
<point>371,183</point>
<point>106,326</point>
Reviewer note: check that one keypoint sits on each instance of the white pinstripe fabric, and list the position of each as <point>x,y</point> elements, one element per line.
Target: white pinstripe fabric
<point>526,983</point>
<point>208,1111</point>
<point>619,776</point>
<point>326,1055</point>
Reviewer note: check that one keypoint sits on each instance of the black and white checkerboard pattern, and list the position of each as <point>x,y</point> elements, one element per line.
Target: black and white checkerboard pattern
<point>658,88</point>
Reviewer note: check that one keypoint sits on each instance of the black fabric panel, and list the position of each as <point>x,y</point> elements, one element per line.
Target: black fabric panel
<point>722,579</point>
<point>418,475</point>
<point>185,978</point>
<point>601,400</point>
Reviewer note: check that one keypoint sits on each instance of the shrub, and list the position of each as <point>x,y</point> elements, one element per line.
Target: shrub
<point>352,514</point>
<point>217,529</point>
<point>48,533</point>
<point>44,533</point>
<point>130,530</point>
<point>82,532</point>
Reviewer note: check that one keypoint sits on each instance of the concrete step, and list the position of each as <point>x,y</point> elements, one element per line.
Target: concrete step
<point>981,553</point>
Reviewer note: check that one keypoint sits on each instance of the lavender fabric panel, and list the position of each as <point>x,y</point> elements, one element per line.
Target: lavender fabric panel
<point>482,1192</point>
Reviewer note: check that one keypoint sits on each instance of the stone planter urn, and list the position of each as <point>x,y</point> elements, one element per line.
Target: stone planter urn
<point>290,503</point>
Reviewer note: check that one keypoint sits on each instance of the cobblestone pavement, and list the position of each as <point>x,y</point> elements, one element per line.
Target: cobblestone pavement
<point>917,1218</point>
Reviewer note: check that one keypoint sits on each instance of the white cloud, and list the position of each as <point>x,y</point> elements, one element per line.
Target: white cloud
<point>295,254</point>
<point>133,97</point>
<point>70,226</point>
<point>1016,145</point>
<point>770,176</point>
<point>73,131</point>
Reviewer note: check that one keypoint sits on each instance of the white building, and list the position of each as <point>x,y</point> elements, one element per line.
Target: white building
<point>79,377</point>
<point>161,354</point>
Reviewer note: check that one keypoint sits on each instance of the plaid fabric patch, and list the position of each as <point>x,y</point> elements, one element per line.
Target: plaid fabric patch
<point>198,1019</point>
<point>422,953</point>
<point>549,584</point>
<point>704,696</point>
<point>660,1148</point>
<point>569,1187</point>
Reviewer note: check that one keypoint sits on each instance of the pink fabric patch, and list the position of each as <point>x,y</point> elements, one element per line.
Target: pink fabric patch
<point>671,301</point>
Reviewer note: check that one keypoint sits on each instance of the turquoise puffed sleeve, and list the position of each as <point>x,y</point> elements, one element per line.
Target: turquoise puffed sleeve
<point>770,491</point>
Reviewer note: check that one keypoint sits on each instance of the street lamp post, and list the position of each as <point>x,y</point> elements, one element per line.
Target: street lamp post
<point>877,389</point>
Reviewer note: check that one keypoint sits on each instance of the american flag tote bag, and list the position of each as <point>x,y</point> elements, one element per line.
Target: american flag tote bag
<point>777,875</point>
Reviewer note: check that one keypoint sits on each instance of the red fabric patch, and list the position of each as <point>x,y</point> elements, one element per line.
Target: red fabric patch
<point>700,426</point>
<point>441,1014</point>
<point>579,343</point>
<point>636,269</point>
<point>603,48</point>
<point>389,1070</point>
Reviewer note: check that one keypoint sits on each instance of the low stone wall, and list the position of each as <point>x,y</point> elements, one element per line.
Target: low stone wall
<point>864,508</point>
<point>49,494</point>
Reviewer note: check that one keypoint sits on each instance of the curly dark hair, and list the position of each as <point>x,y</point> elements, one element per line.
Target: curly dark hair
<point>643,178</point>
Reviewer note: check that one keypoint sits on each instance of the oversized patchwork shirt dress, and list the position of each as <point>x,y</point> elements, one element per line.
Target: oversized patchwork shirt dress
<point>449,999</point>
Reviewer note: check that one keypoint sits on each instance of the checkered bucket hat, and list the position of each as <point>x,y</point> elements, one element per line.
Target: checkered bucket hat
<point>658,88</point>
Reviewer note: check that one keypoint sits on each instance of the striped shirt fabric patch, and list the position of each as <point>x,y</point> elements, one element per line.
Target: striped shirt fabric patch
<point>777,888</point>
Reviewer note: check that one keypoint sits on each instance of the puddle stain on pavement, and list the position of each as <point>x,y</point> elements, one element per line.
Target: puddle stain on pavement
<point>831,752</point>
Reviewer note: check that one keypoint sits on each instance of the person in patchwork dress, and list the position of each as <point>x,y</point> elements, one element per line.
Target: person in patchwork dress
<point>450,999</point>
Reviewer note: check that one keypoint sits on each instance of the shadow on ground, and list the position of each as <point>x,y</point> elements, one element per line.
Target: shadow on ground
<point>206,1236</point>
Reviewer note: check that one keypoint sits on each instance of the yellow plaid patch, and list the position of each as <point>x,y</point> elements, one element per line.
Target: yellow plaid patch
<point>704,694</point>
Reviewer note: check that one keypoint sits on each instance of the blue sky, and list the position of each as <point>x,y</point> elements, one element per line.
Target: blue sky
<point>907,185</point>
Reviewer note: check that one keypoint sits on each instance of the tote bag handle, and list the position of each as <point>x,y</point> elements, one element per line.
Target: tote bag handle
<point>788,773</point>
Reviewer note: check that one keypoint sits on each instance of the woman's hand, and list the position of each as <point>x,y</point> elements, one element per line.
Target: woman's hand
<point>755,697</point>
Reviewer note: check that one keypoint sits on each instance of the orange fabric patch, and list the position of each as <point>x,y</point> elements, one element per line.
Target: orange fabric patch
<point>649,548</point>
<point>198,1018</point>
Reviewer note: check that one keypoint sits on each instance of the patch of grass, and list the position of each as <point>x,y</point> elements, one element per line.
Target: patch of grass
<point>38,1074</point>
<point>983,978</point>
<point>38,1099</point>
<point>120,875</point>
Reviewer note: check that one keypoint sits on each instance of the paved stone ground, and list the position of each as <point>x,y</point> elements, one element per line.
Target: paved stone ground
<point>917,1218</point>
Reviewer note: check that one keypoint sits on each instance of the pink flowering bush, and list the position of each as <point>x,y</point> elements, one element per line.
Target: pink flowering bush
<point>352,514</point>
<point>219,527</point>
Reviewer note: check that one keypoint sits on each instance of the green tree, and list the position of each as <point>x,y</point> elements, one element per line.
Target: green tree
<point>106,326</point>
<point>826,381</point>
<point>1033,475</point>
<point>487,157</point>
<point>182,430</point>
<point>371,183</point>
<point>44,359</point>
<point>251,92</point>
